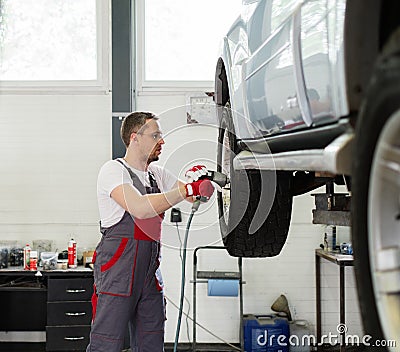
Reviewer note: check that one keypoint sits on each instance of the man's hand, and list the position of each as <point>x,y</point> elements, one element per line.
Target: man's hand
<point>203,188</point>
<point>196,172</point>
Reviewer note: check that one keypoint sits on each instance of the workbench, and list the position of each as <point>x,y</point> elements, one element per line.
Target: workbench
<point>342,261</point>
<point>45,310</point>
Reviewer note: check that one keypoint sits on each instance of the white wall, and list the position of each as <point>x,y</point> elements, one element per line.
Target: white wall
<point>51,148</point>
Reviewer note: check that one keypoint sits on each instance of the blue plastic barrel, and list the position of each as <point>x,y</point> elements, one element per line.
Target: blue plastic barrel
<point>265,333</point>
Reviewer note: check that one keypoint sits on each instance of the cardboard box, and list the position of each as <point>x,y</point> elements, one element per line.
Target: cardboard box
<point>87,257</point>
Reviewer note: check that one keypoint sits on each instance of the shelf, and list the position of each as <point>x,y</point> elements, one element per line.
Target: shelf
<point>337,258</point>
<point>18,270</point>
<point>223,275</point>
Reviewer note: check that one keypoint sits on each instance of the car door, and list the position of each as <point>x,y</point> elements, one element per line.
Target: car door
<point>235,53</point>
<point>321,41</point>
<point>269,81</point>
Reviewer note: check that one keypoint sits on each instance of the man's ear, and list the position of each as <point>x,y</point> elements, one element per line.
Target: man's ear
<point>133,136</point>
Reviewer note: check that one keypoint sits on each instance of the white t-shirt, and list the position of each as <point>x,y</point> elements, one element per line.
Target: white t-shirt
<point>113,174</point>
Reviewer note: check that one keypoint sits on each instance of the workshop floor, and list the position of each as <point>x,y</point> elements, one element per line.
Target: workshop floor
<point>221,347</point>
<point>200,348</point>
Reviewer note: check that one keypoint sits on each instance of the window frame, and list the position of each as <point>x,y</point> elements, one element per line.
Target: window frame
<point>99,86</point>
<point>147,87</point>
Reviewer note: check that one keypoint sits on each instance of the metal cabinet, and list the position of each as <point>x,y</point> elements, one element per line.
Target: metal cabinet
<point>46,310</point>
<point>69,313</point>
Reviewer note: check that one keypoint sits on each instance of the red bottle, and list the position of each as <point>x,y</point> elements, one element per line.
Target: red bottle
<point>27,253</point>
<point>33,261</point>
<point>72,258</point>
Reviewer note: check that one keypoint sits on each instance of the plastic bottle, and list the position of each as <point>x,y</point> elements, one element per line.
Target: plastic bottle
<point>27,253</point>
<point>330,232</point>
<point>33,260</point>
<point>299,332</point>
<point>333,238</point>
<point>326,246</point>
<point>72,256</point>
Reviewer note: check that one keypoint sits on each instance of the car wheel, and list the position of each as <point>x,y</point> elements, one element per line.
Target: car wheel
<point>376,199</point>
<point>255,207</point>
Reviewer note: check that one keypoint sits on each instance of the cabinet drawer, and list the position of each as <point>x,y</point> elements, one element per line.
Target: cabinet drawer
<point>70,289</point>
<point>69,313</point>
<point>71,338</point>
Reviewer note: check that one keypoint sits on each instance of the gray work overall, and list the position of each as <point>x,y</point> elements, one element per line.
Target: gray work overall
<point>128,284</point>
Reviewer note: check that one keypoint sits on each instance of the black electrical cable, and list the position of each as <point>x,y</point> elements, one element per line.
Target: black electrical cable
<point>195,206</point>
<point>180,242</point>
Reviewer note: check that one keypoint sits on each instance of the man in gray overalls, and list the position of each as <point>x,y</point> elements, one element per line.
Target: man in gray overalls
<point>132,197</point>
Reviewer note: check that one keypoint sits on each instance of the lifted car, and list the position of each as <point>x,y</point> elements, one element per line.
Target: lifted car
<point>311,88</point>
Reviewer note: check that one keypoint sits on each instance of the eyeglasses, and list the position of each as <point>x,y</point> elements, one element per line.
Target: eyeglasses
<point>156,135</point>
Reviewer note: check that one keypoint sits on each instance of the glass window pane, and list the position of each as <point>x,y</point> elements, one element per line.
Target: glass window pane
<point>48,40</point>
<point>182,37</point>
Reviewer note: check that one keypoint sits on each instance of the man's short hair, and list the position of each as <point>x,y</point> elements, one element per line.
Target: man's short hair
<point>133,123</point>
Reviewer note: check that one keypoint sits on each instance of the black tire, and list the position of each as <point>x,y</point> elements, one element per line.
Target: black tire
<point>260,202</point>
<point>381,103</point>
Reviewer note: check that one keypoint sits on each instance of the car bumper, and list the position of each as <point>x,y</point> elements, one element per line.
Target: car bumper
<point>334,158</point>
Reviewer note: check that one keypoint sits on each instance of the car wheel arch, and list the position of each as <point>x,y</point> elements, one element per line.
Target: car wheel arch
<point>379,22</point>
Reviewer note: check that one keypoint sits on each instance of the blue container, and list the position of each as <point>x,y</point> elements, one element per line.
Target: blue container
<point>265,333</point>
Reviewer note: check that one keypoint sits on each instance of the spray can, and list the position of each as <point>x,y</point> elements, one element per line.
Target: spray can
<point>33,260</point>
<point>72,257</point>
<point>27,255</point>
